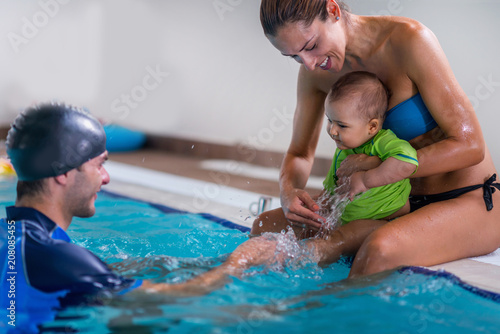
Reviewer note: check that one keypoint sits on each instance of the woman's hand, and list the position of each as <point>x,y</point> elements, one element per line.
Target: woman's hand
<point>357,163</point>
<point>300,209</point>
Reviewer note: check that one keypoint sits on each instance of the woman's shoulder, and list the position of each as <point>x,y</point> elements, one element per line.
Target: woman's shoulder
<point>406,33</point>
<point>404,26</point>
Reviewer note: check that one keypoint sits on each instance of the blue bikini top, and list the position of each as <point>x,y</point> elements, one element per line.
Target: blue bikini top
<point>410,118</point>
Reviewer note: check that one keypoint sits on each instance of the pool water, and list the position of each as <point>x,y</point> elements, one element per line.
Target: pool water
<point>147,242</point>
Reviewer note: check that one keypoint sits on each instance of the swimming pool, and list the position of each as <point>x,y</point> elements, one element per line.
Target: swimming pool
<point>156,242</point>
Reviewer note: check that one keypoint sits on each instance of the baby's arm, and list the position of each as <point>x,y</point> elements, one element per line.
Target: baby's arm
<point>390,171</point>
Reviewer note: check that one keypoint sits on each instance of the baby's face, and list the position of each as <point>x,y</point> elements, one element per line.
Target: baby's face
<point>347,127</point>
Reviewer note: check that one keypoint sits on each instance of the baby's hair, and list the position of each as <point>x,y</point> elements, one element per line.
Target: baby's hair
<point>373,96</point>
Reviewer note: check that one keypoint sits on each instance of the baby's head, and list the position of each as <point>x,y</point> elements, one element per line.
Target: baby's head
<point>355,108</point>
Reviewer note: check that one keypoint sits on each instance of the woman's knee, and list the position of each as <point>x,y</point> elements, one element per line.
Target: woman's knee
<point>269,221</point>
<point>260,223</point>
<point>275,221</point>
<point>378,252</point>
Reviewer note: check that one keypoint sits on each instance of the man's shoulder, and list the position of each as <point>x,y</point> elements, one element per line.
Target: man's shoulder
<point>51,249</point>
<point>61,251</point>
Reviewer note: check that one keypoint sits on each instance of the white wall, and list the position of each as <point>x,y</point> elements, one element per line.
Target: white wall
<point>218,79</point>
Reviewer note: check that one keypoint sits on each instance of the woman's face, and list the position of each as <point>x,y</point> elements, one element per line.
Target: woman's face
<point>322,44</point>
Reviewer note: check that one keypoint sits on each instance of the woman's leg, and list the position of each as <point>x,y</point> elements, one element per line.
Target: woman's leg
<point>437,233</point>
<point>346,240</point>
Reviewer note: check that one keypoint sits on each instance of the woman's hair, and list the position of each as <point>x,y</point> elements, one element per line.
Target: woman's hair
<point>274,14</point>
<point>365,88</point>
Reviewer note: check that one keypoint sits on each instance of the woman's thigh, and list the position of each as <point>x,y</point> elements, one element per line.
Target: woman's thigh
<point>437,233</point>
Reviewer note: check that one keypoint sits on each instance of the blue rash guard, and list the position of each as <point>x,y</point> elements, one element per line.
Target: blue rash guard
<point>41,270</point>
<point>410,118</point>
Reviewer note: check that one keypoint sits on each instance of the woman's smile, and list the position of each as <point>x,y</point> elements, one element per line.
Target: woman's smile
<point>326,64</point>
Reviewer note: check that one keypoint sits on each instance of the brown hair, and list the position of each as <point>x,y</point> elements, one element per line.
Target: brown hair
<point>274,14</point>
<point>30,188</point>
<point>373,96</point>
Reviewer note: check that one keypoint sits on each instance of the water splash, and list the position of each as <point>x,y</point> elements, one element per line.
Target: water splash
<point>290,253</point>
<point>331,208</point>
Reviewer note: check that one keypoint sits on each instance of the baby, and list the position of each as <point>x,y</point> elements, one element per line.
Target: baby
<point>355,108</point>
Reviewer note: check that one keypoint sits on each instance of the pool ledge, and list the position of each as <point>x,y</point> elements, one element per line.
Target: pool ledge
<point>479,274</point>
<point>184,194</point>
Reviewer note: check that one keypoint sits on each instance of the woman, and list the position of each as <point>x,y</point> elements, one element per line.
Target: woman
<point>458,220</point>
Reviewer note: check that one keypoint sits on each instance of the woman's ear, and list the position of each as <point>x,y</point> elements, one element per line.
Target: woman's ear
<point>333,9</point>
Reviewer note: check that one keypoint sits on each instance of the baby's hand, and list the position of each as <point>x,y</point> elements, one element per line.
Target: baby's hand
<point>357,185</point>
<point>357,163</point>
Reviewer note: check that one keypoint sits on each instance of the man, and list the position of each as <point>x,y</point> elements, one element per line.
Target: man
<point>58,152</point>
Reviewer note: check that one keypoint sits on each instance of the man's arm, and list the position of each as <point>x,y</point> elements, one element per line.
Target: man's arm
<point>253,252</point>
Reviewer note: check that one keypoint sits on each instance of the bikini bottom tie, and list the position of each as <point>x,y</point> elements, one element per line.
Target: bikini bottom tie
<point>488,190</point>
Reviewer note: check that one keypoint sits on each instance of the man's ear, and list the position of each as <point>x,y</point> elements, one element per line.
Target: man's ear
<point>62,179</point>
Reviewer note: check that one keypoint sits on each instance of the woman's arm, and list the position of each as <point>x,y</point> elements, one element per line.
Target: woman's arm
<point>428,68</point>
<point>297,204</point>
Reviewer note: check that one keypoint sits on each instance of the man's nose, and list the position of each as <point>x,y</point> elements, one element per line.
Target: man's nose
<point>105,176</point>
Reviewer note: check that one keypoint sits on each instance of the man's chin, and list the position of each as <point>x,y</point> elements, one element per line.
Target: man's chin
<point>85,213</point>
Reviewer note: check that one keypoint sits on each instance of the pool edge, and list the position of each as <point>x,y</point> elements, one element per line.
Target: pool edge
<point>454,279</point>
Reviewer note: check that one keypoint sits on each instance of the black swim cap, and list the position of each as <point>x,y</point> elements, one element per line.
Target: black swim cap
<point>52,139</point>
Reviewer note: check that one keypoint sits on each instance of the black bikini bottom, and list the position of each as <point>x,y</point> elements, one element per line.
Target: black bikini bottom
<point>418,201</point>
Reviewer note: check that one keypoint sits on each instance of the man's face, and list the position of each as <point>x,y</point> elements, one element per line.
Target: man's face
<point>86,182</point>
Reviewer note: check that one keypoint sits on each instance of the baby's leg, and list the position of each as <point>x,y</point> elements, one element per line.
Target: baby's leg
<point>401,212</point>
<point>346,240</point>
